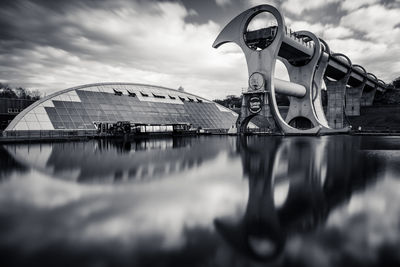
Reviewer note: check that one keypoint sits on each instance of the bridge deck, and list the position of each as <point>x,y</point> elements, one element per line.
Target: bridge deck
<point>295,49</point>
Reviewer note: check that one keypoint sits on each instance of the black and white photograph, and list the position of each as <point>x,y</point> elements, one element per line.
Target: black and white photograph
<point>141,133</point>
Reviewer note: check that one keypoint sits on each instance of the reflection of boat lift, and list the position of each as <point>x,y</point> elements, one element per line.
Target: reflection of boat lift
<point>314,189</point>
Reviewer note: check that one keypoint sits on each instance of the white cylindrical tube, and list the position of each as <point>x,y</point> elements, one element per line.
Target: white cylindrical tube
<point>289,88</point>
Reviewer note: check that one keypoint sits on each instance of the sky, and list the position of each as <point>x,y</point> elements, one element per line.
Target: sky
<point>52,45</point>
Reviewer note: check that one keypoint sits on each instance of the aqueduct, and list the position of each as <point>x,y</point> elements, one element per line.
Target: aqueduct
<point>310,64</point>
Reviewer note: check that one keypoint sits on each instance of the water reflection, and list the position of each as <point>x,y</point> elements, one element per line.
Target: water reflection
<point>8,165</point>
<point>294,183</point>
<point>203,201</point>
<point>118,160</point>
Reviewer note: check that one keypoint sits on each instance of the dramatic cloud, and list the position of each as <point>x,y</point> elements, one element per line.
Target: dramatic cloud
<point>53,45</point>
<point>135,42</point>
<point>298,6</point>
<point>337,32</point>
<point>380,39</point>
<point>355,4</point>
<point>223,2</point>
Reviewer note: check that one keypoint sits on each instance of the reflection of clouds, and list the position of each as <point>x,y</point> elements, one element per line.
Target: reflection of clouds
<point>55,211</point>
<point>169,221</point>
<point>358,233</point>
<point>298,184</point>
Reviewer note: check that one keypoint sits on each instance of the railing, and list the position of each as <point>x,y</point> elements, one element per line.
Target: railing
<point>259,130</point>
<point>216,131</point>
<point>294,36</point>
<point>46,135</point>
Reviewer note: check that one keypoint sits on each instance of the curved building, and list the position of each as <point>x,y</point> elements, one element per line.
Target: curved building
<point>82,107</point>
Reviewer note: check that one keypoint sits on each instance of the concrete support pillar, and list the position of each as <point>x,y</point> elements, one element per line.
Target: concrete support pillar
<point>336,91</point>
<point>353,96</point>
<point>368,96</point>
<point>336,94</point>
<point>353,100</point>
<point>254,104</point>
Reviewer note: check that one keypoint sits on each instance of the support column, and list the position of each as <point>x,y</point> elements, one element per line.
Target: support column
<point>367,97</point>
<point>317,85</point>
<point>302,110</point>
<point>336,98</point>
<point>253,104</point>
<point>353,96</point>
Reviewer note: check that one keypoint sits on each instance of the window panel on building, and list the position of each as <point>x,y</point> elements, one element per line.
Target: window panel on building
<point>39,110</point>
<point>33,126</point>
<point>86,119</point>
<point>69,125</point>
<point>21,126</point>
<point>62,111</point>
<point>58,104</point>
<point>46,125</point>
<point>30,117</point>
<point>42,117</point>
<point>76,118</point>
<point>79,125</point>
<point>65,118</point>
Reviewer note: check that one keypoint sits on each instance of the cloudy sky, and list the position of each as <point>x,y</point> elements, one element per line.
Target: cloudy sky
<point>52,45</point>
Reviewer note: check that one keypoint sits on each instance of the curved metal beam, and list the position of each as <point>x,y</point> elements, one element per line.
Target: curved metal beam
<point>373,75</point>
<point>326,46</point>
<point>363,69</point>
<point>382,82</point>
<point>348,60</point>
<point>307,107</point>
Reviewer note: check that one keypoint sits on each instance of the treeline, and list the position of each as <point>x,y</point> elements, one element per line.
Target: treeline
<point>18,92</point>
<point>231,101</point>
<point>391,96</point>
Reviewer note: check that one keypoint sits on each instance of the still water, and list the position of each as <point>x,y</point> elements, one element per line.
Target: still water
<point>202,201</point>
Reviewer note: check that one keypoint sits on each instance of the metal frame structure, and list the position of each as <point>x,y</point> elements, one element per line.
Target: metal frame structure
<point>306,78</point>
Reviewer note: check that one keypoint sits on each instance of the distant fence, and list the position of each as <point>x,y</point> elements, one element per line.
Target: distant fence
<point>22,136</point>
<point>259,130</point>
<point>215,131</point>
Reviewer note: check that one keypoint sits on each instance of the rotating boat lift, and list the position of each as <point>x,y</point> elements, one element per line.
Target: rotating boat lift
<point>309,62</point>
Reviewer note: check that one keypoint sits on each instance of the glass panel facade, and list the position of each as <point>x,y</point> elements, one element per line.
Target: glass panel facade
<point>80,108</point>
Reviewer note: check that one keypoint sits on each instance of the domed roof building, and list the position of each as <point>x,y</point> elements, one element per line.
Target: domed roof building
<point>83,107</point>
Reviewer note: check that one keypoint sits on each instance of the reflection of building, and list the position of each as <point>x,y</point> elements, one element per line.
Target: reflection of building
<point>115,160</point>
<point>79,108</point>
<point>294,183</point>
<point>10,107</point>
<point>8,164</point>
